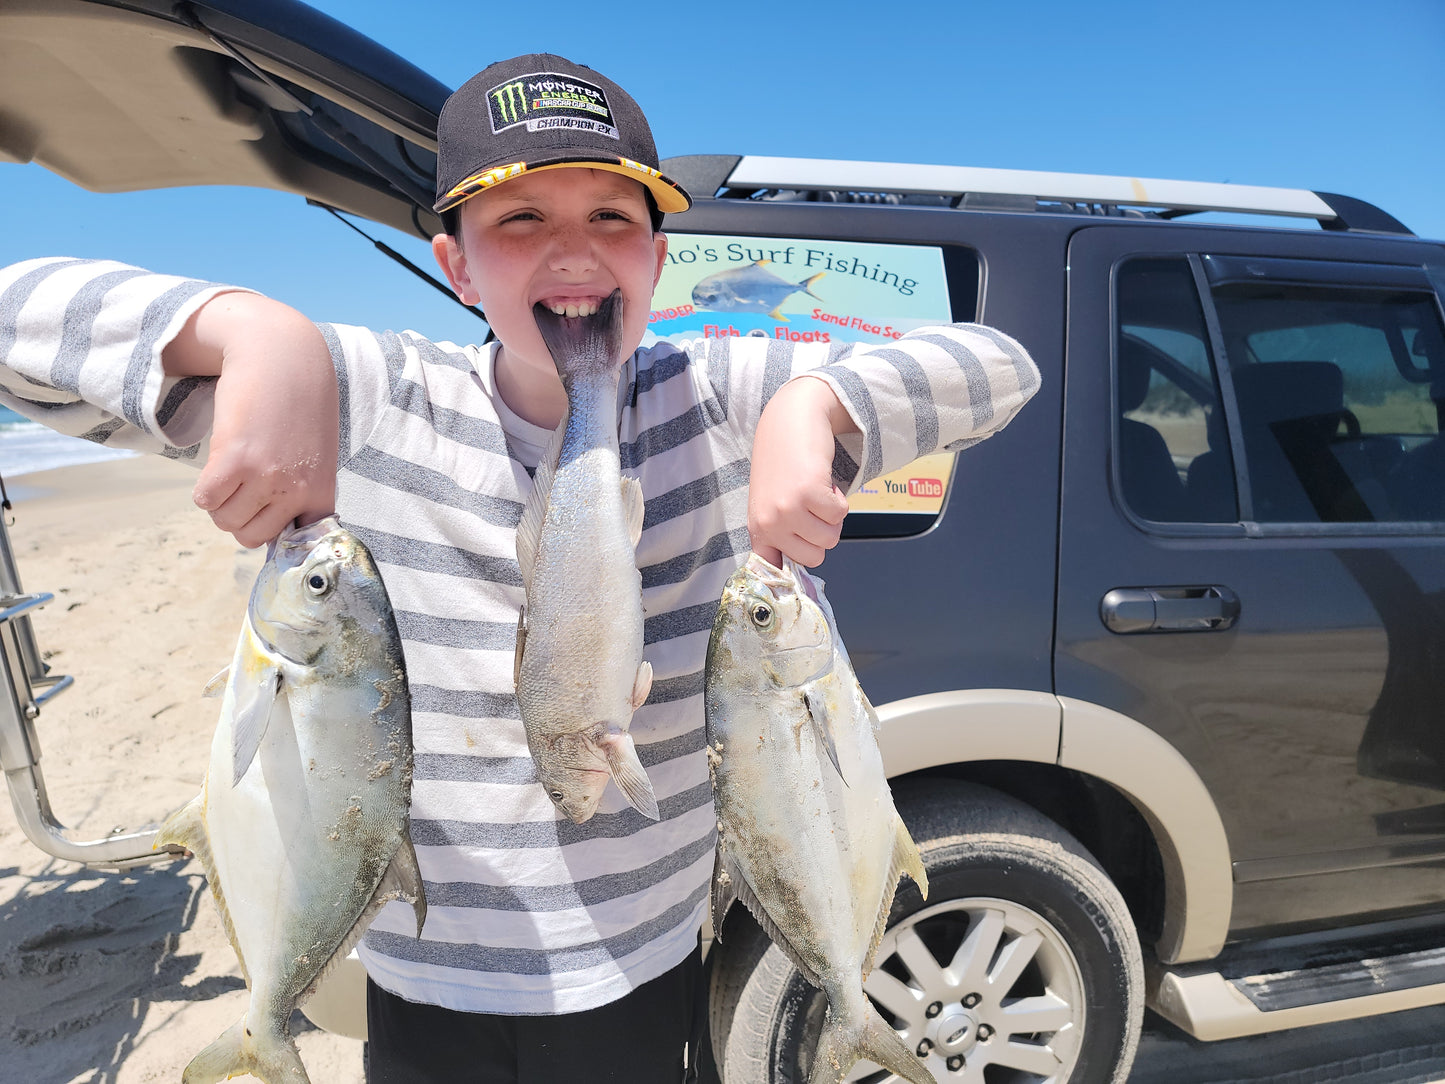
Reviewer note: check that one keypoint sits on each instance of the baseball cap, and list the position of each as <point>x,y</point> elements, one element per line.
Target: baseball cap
<point>541,111</point>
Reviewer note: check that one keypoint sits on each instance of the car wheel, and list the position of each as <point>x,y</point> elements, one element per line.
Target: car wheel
<point>1021,968</point>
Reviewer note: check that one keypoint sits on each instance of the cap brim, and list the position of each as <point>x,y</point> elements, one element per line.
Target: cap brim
<point>671,197</point>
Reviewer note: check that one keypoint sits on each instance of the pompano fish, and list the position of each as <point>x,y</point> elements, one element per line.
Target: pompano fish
<point>750,289</point>
<point>808,837</point>
<point>301,823</point>
<point>579,669</point>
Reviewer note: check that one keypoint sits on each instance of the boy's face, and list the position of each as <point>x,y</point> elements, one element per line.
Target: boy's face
<point>562,237</point>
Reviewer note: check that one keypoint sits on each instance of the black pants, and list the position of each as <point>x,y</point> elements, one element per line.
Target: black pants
<point>638,1038</point>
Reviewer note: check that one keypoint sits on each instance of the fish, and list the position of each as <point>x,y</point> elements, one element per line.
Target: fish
<point>302,822</point>
<point>578,666</point>
<point>808,836</point>
<point>750,289</point>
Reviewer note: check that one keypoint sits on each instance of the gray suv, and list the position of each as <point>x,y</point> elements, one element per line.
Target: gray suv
<point>1160,668</point>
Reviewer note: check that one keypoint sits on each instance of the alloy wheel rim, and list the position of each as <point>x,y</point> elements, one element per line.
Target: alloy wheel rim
<point>980,983</point>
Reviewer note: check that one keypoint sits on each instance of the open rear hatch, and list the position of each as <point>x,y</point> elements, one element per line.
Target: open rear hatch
<point>151,94</point>
<point>120,96</point>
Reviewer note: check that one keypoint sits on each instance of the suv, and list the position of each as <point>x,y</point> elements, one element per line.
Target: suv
<point>1159,668</point>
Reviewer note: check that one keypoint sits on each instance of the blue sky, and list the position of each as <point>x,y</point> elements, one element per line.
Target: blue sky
<point>1334,96</point>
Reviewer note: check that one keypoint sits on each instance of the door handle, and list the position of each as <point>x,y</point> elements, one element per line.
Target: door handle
<point>1169,609</point>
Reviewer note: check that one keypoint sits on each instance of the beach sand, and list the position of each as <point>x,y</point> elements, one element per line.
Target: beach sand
<point>104,976</point>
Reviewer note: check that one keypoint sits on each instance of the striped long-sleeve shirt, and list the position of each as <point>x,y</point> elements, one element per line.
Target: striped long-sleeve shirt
<point>528,913</point>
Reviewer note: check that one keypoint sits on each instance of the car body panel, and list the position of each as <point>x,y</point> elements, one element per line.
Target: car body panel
<point>1271,712</point>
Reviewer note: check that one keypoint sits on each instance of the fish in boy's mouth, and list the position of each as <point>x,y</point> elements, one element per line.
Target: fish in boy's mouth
<point>584,336</point>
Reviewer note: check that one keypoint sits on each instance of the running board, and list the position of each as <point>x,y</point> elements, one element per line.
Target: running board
<point>1210,1006</point>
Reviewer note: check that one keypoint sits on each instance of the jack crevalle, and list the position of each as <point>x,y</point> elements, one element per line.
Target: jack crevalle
<point>579,669</point>
<point>301,823</point>
<point>808,837</point>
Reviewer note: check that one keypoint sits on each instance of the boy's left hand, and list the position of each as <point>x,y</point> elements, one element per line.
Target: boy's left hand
<point>794,509</point>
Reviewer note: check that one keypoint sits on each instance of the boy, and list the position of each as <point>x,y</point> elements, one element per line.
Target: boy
<point>552,951</point>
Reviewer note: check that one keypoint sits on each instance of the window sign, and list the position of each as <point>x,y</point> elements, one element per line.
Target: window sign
<point>803,291</point>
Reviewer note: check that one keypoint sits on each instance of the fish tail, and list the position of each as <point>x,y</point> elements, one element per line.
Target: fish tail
<point>269,1055</point>
<point>807,284</point>
<point>843,1043</point>
<point>583,344</point>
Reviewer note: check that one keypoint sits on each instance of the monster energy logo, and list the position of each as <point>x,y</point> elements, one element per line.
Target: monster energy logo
<point>544,93</point>
<point>509,102</point>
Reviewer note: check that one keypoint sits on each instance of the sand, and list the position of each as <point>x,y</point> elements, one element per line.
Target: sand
<point>105,976</point>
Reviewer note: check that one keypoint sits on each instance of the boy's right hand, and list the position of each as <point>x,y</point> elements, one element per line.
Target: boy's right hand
<point>273,439</point>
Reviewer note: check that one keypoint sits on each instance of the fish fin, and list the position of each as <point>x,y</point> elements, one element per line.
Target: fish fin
<point>777,314</point>
<point>761,263</point>
<point>744,892</point>
<point>867,704</point>
<point>270,1056</point>
<point>823,731</point>
<point>255,690</point>
<point>584,344</point>
<point>632,508</point>
<point>843,1043</point>
<point>641,685</point>
<point>186,827</point>
<point>723,893</point>
<point>907,858</point>
<point>217,685</point>
<point>521,646</point>
<point>807,284</point>
<point>534,511</point>
<point>400,881</point>
<point>627,772</point>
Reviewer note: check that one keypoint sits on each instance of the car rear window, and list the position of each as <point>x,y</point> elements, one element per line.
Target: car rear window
<point>799,290</point>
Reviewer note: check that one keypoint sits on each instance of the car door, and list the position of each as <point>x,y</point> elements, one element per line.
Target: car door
<point>1252,556</point>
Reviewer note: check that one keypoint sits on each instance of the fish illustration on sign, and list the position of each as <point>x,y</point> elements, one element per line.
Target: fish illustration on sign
<point>750,289</point>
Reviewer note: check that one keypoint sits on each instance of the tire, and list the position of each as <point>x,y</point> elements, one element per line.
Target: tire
<point>1012,897</point>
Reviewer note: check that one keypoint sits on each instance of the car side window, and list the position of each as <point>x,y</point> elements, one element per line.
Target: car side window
<point>1339,394</point>
<point>1173,454</point>
<point>1334,390</point>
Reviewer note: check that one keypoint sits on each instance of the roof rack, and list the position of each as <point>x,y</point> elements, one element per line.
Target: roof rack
<point>972,188</point>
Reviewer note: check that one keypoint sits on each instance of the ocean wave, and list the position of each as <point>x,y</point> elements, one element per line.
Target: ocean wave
<point>26,447</point>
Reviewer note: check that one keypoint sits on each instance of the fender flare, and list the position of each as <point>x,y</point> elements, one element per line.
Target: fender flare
<point>937,729</point>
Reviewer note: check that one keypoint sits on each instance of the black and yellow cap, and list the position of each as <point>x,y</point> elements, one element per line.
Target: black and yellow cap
<point>538,112</point>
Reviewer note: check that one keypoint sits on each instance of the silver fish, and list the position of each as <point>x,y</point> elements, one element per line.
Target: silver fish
<point>750,289</point>
<point>808,837</point>
<point>579,668</point>
<point>302,821</point>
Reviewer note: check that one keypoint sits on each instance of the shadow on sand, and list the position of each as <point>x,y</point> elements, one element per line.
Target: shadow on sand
<point>92,951</point>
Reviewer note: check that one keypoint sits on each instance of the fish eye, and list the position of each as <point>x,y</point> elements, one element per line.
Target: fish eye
<point>317,584</point>
<point>762,614</point>
<point>557,795</point>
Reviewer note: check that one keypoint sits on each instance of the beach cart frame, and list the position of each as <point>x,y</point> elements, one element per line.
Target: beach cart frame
<point>29,685</point>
